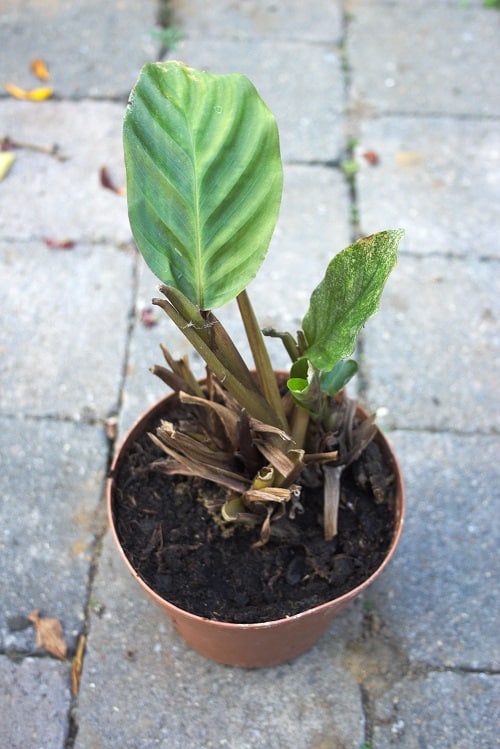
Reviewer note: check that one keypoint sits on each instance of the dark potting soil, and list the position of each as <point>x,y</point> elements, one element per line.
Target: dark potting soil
<point>182,553</point>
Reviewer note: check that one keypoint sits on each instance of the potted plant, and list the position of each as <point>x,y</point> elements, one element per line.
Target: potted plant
<point>252,505</point>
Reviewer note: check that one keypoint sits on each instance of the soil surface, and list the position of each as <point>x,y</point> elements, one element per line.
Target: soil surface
<point>184,555</point>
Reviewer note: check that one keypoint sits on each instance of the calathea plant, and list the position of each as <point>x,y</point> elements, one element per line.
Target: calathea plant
<point>204,185</point>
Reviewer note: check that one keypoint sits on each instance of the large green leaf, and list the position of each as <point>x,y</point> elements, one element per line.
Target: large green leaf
<point>204,179</point>
<point>348,295</point>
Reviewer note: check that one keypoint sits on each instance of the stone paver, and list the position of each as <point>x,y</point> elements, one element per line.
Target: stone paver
<point>419,71</point>
<point>63,332</point>
<point>440,595</point>
<point>50,485</point>
<point>48,198</point>
<point>34,703</point>
<point>285,19</point>
<point>441,374</point>
<point>440,711</point>
<point>427,180</point>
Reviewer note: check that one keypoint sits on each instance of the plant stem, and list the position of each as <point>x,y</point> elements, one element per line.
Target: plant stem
<point>211,331</point>
<point>261,358</point>
<point>300,424</point>
<point>287,339</point>
<point>50,150</point>
<point>331,491</point>
<point>248,397</point>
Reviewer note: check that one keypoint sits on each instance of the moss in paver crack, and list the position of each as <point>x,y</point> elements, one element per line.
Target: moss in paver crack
<point>169,34</point>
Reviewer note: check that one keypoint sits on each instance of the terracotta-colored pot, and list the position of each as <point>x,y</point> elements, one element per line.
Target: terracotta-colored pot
<point>266,643</point>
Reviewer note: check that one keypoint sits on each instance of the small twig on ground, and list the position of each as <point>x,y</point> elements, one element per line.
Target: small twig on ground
<point>53,150</point>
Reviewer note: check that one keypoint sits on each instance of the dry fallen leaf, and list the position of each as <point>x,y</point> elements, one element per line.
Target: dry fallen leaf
<point>39,94</point>
<point>77,665</point>
<point>148,317</point>
<point>111,428</point>
<point>49,635</point>
<point>371,157</point>
<point>6,160</point>
<point>35,94</point>
<point>79,547</point>
<point>409,158</point>
<point>60,244</point>
<point>107,182</point>
<point>39,68</point>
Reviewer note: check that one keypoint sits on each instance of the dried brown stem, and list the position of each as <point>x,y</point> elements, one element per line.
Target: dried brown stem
<point>53,150</point>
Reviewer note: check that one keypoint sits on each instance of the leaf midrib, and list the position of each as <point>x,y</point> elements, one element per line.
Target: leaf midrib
<point>197,220</point>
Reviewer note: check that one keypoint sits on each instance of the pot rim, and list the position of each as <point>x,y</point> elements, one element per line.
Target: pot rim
<point>400,509</point>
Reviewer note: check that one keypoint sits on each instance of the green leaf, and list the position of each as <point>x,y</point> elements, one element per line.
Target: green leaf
<point>348,295</point>
<point>333,381</point>
<point>303,385</point>
<point>204,179</point>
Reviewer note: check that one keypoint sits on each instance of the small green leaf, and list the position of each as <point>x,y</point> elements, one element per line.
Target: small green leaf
<point>348,295</point>
<point>204,179</point>
<point>333,381</point>
<point>300,372</point>
<point>297,385</point>
<point>303,385</point>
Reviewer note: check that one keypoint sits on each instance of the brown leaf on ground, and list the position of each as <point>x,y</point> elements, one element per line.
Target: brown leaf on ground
<point>35,94</point>
<point>39,68</point>
<point>49,635</point>
<point>371,157</point>
<point>111,428</point>
<point>77,665</point>
<point>108,183</point>
<point>148,317</point>
<point>60,244</point>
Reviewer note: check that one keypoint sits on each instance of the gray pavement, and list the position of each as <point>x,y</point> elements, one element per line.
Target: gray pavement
<point>415,664</point>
